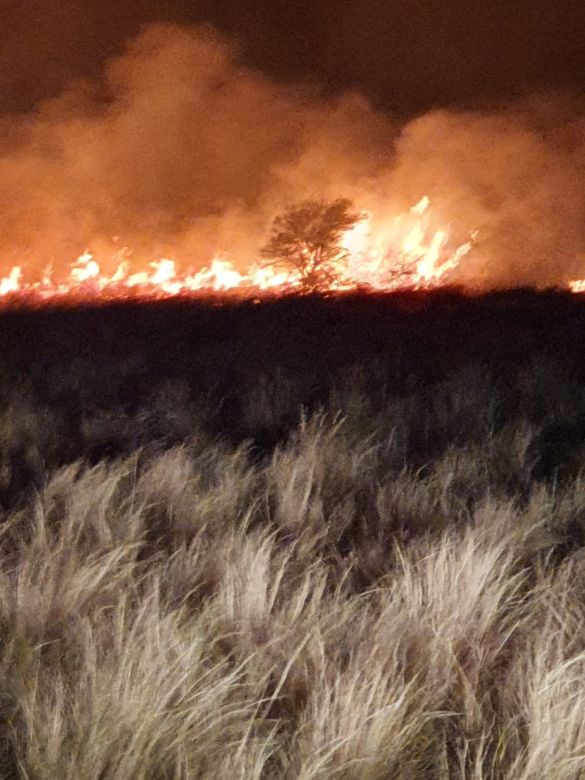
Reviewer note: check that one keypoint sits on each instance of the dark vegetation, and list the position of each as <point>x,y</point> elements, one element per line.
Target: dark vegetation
<point>244,369</point>
<point>307,537</point>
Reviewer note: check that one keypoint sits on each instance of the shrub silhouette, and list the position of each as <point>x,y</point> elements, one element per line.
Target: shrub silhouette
<point>306,239</point>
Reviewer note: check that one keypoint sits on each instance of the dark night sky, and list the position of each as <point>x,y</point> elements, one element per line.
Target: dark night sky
<point>406,55</point>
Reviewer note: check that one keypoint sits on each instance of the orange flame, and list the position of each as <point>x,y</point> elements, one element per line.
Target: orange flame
<point>577,286</point>
<point>11,283</point>
<point>405,252</point>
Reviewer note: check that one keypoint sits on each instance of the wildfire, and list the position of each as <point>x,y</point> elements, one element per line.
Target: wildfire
<point>11,283</point>
<point>405,252</point>
<point>577,286</point>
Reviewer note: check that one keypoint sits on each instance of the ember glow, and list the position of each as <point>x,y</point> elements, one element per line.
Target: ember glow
<point>404,252</point>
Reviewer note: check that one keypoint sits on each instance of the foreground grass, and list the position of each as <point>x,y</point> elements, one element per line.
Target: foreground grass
<point>396,590</point>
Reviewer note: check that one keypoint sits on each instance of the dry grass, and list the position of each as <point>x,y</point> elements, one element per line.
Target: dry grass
<point>341,608</point>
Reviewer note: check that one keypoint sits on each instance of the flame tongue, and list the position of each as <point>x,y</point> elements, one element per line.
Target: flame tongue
<point>409,253</point>
<point>404,252</point>
<point>11,283</point>
<point>84,269</point>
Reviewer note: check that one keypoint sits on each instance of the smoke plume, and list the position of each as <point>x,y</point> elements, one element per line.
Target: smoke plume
<point>181,149</point>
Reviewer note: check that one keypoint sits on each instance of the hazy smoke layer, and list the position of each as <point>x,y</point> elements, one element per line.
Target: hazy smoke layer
<point>182,150</point>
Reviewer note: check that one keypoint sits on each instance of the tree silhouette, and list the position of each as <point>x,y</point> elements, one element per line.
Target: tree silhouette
<point>306,238</point>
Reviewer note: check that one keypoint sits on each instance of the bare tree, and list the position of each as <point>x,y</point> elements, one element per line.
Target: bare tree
<point>307,237</point>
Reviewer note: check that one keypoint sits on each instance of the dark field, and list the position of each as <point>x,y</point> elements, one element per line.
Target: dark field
<point>303,538</point>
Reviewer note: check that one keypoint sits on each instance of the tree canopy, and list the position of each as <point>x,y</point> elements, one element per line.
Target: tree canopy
<point>306,238</point>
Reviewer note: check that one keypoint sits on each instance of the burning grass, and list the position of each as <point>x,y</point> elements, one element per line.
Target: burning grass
<point>355,557</point>
<point>326,246</point>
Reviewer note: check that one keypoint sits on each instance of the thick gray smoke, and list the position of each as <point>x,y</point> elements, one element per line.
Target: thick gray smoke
<point>181,149</point>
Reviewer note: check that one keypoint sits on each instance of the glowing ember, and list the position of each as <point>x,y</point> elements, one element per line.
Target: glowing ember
<point>404,252</point>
